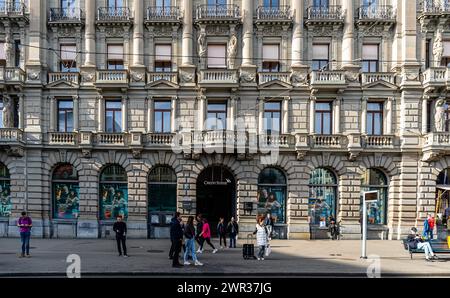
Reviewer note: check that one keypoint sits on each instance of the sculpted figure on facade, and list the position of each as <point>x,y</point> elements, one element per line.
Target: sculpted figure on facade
<point>232,51</point>
<point>439,115</point>
<point>438,49</point>
<point>8,48</point>
<point>202,45</point>
<point>8,115</point>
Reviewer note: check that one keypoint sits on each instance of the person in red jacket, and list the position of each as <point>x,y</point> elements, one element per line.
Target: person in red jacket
<point>431,222</point>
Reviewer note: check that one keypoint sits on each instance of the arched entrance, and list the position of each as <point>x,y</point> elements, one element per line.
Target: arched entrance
<point>216,195</point>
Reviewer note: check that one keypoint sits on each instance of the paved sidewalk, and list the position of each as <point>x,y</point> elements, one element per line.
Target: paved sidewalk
<point>150,257</point>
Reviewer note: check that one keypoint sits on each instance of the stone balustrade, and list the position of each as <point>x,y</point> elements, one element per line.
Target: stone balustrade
<point>379,141</point>
<point>160,139</point>
<point>327,141</point>
<point>112,77</point>
<point>328,77</point>
<point>167,76</point>
<point>72,77</point>
<point>218,76</point>
<point>118,139</point>
<point>368,78</point>
<point>265,77</point>
<point>63,138</point>
<point>9,135</point>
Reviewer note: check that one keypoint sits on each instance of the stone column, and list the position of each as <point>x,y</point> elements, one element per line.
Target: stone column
<point>364,115</point>
<point>247,32</point>
<point>187,42</point>
<point>425,114</point>
<point>337,116</point>
<point>297,7</point>
<point>348,42</point>
<point>389,115</point>
<point>173,114</point>
<point>138,34</point>
<point>201,112</point>
<point>21,111</point>
<point>124,113</point>
<point>75,113</point>
<point>89,35</point>
<point>285,124</point>
<point>312,111</point>
<point>231,112</point>
<point>261,116</point>
<point>55,57</point>
<point>101,114</point>
<point>52,113</point>
<point>150,114</point>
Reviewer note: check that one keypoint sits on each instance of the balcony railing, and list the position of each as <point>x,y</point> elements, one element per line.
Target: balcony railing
<point>376,12</point>
<point>62,138</point>
<point>435,75</point>
<point>72,77</point>
<point>12,8</point>
<point>325,13</point>
<point>218,76</point>
<point>277,140</point>
<point>167,76</point>
<point>160,13</point>
<point>435,6</point>
<point>113,14</point>
<point>12,75</point>
<point>106,138</point>
<point>265,77</point>
<point>326,77</point>
<point>274,13</point>
<point>112,77</point>
<point>65,15</point>
<point>218,12</point>
<point>215,138</point>
<point>8,135</point>
<point>379,141</point>
<point>368,78</point>
<point>327,141</point>
<point>160,139</point>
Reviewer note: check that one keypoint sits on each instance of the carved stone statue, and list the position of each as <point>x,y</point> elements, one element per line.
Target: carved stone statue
<point>202,45</point>
<point>438,49</point>
<point>232,51</point>
<point>8,114</point>
<point>8,48</point>
<point>439,115</point>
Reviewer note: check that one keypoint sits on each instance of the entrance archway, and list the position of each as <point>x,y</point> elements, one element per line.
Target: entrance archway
<point>216,195</point>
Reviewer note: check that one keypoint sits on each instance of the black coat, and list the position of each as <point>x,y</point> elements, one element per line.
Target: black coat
<point>230,225</point>
<point>189,232</point>
<point>120,228</point>
<point>412,241</point>
<point>176,232</point>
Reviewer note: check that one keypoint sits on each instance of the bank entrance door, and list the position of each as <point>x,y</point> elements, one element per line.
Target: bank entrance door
<point>216,195</point>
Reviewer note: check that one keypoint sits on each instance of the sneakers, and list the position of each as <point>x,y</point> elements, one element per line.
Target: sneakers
<point>186,263</point>
<point>21,255</point>
<point>215,250</point>
<point>125,256</point>
<point>435,257</point>
<point>199,251</point>
<point>262,259</point>
<point>28,256</point>
<point>221,247</point>
<point>259,259</point>
<point>197,263</point>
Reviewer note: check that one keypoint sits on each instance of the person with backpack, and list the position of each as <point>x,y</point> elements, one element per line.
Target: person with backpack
<point>222,232</point>
<point>261,238</point>
<point>25,224</point>
<point>233,230</point>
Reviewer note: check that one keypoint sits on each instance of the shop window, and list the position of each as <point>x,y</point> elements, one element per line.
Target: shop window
<point>113,193</point>
<point>322,197</point>
<point>5,191</point>
<point>374,179</point>
<point>443,202</point>
<point>272,189</point>
<point>65,192</point>
<point>162,195</point>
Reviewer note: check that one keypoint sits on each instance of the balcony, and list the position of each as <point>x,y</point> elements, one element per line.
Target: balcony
<point>325,15</point>
<point>63,138</point>
<point>214,139</point>
<point>273,15</point>
<point>163,15</point>
<point>434,7</point>
<point>372,77</point>
<point>218,77</point>
<point>12,76</point>
<point>218,14</point>
<point>112,78</point>
<point>328,78</point>
<point>12,9</point>
<point>73,78</point>
<point>435,77</point>
<point>153,77</point>
<point>10,135</point>
<point>379,142</point>
<point>265,77</point>
<point>111,139</point>
<point>277,140</point>
<point>65,16</point>
<point>384,14</point>
<point>113,15</point>
<point>328,141</point>
<point>160,139</point>
<point>436,144</point>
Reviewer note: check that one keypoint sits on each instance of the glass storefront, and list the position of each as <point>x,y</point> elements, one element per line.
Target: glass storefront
<point>5,191</point>
<point>162,191</point>
<point>272,194</point>
<point>65,192</point>
<point>374,179</point>
<point>322,197</point>
<point>113,193</point>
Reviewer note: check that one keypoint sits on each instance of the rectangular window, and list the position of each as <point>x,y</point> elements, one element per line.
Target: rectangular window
<point>1,114</point>
<point>446,54</point>
<point>217,2</point>
<point>271,3</point>
<point>323,118</point>
<point>115,57</point>
<point>162,114</point>
<point>17,53</point>
<point>370,58</point>
<point>163,58</point>
<point>2,54</point>
<point>427,53</point>
<point>271,58</point>
<point>217,56</point>
<point>68,4</point>
<point>320,3</point>
<point>113,116</point>
<point>65,115</point>
<point>321,57</point>
<point>68,54</point>
<point>272,117</point>
<point>163,3</point>
<point>115,3</point>
<point>375,118</point>
<point>216,116</point>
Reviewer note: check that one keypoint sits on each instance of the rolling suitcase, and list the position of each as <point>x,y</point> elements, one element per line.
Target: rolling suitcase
<point>248,250</point>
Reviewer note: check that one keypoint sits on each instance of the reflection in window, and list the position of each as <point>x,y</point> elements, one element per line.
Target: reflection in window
<point>65,192</point>
<point>5,191</point>
<point>113,116</point>
<point>162,113</point>
<point>216,116</point>
<point>322,197</point>
<point>374,179</point>
<point>323,118</point>
<point>113,193</point>
<point>272,194</point>
<point>65,116</point>
<point>272,117</point>
<point>375,118</point>
<point>321,57</point>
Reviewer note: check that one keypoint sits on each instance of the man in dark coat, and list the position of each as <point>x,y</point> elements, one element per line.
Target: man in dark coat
<point>176,236</point>
<point>121,235</point>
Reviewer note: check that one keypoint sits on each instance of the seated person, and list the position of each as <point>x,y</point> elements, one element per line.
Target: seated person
<point>416,242</point>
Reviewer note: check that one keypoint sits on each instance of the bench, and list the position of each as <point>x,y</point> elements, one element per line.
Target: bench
<point>439,247</point>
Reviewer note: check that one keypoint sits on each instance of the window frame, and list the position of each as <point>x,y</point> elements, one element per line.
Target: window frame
<point>272,111</point>
<point>65,115</point>
<point>115,64</point>
<point>271,65</point>
<point>114,112</point>
<point>369,62</point>
<point>323,112</point>
<point>224,45</point>
<point>379,112</point>
<point>322,64</point>
<point>163,65</point>
<point>216,113</point>
<point>163,112</point>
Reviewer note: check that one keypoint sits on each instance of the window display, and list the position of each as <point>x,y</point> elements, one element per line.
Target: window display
<point>322,197</point>
<point>65,192</point>
<point>272,195</point>
<point>5,192</point>
<point>113,193</point>
<point>162,195</point>
<point>374,179</point>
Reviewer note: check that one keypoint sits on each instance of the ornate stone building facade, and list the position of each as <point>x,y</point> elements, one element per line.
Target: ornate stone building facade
<point>104,106</point>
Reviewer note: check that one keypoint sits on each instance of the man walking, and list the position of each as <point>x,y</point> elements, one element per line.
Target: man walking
<point>25,224</point>
<point>233,230</point>
<point>121,232</point>
<point>176,236</point>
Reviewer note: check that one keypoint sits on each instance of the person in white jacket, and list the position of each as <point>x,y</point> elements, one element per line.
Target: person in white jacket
<point>261,237</point>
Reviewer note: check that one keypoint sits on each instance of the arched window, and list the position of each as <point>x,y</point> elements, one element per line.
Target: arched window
<point>443,194</point>
<point>322,196</point>
<point>272,194</point>
<point>113,192</point>
<point>65,192</point>
<point>374,179</point>
<point>5,192</point>
<point>162,186</point>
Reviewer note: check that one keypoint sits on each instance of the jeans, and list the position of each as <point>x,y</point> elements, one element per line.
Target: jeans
<point>25,240</point>
<point>232,240</point>
<point>224,238</point>
<point>426,247</point>
<point>262,249</point>
<point>121,242</point>
<point>190,248</point>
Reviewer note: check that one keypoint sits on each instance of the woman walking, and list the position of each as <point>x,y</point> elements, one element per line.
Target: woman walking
<point>189,234</point>
<point>222,232</point>
<point>261,238</point>
<point>206,236</point>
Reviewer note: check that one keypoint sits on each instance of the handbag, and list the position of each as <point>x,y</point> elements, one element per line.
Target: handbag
<point>268,250</point>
